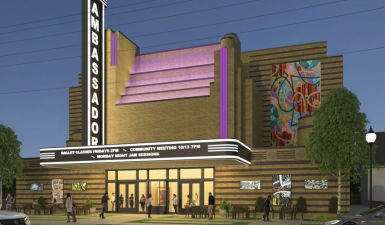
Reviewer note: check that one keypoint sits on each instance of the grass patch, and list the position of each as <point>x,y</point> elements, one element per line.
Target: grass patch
<point>169,217</point>
<point>240,223</point>
<point>323,218</point>
<point>308,220</point>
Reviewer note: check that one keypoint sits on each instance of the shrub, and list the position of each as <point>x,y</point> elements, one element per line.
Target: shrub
<point>224,204</point>
<point>333,205</point>
<point>41,201</point>
<point>259,204</point>
<point>89,202</point>
<point>301,204</point>
<point>322,218</point>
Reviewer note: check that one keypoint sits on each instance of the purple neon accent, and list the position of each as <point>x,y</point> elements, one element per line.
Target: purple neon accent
<point>174,59</point>
<point>114,49</point>
<point>196,92</point>
<point>223,92</point>
<point>176,49</point>
<point>172,74</point>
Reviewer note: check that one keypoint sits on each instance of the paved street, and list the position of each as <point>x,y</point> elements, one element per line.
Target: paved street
<point>156,219</point>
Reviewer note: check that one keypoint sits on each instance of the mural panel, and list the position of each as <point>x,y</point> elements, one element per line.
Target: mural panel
<point>295,93</point>
<point>281,189</point>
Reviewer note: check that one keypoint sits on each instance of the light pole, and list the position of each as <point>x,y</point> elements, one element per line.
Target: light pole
<point>371,138</point>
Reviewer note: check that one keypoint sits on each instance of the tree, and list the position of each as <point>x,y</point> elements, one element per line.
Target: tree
<point>11,165</point>
<point>337,142</point>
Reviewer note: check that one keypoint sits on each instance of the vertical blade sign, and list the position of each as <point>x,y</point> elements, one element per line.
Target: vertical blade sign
<point>93,72</point>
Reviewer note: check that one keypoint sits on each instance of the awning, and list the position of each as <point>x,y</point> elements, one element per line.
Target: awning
<point>197,153</point>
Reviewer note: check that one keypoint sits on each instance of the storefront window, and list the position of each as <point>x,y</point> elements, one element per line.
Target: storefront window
<point>209,173</point>
<point>142,174</point>
<point>195,192</point>
<point>157,174</point>
<point>111,175</point>
<point>173,174</point>
<point>208,187</point>
<point>158,192</point>
<point>127,175</point>
<point>111,190</point>
<point>143,192</point>
<point>172,189</point>
<point>191,173</point>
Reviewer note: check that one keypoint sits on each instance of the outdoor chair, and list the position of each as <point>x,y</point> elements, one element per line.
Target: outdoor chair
<point>236,210</point>
<point>87,209</point>
<point>285,210</point>
<point>227,208</point>
<point>187,211</point>
<point>36,209</point>
<point>272,211</point>
<point>27,207</point>
<point>204,210</point>
<point>79,209</point>
<point>195,211</point>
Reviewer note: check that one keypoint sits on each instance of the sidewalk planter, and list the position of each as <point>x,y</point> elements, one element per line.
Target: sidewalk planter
<point>222,212</point>
<point>92,210</point>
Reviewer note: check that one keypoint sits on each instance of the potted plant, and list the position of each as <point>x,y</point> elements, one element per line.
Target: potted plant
<point>41,202</point>
<point>222,208</point>
<point>92,205</point>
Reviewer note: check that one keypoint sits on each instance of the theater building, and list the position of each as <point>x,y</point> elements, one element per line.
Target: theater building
<point>189,121</point>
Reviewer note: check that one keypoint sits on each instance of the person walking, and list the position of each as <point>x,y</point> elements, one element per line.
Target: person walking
<point>267,208</point>
<point>175,203</point>
<point>149,205</point>
<point>104,205</point>
<point>211,205</point>
<point>264,210</point>
<point>142,202</point>
<point>69,208</point>
<point>113,201</point>
<point>9,201</point>
<point>132,200</point>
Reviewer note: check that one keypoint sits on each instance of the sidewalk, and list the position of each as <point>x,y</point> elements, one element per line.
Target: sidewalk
<point>112,219</point>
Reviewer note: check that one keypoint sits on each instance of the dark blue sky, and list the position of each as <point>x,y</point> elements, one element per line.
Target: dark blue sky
<point>40,119</point>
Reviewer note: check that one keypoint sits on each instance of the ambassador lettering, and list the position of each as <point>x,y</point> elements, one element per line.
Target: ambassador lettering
<point>95,74</point>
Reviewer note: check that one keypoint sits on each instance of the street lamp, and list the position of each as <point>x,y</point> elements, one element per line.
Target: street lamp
<point>371,138</point>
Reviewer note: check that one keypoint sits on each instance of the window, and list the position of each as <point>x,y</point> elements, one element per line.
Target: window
<point>127,175</point>
<point>191,173</point>
<point>157,174</point>
<point>209,173</point>
<point>142,174</point>
<point>173,174</point>
<point>111,175</point>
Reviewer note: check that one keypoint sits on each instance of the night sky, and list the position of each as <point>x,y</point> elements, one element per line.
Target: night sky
<point>40,118</point>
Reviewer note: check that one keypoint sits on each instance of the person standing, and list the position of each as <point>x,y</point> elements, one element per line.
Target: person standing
<point>69,208</point>
<point>175,203</point>
<point>132,200</point>
<point>149,204</point>
<point>113,201</point>
<point>9,201</point>
<point>142,202</point>
<point>104,205</point>
<point>121,200</point>
<point>196,199</point>
<point>211,205</point>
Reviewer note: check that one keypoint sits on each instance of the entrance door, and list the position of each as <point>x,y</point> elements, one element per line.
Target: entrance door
<point>191,193</point>
<point>127,202</point>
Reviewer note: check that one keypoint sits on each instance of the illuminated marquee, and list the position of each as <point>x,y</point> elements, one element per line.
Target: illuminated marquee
<point>93,72</point>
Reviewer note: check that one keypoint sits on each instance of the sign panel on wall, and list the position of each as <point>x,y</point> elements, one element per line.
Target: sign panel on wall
<point>250,185</point>
<point>79,186</point>
<point>93,72</point>
<point>57,190</point>
<point>178,150</point>
<point>295,93</point>
<point>281,189</point>
<point>316,184</point>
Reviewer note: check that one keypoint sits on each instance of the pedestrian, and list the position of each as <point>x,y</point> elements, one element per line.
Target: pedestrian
<point>264,210</point>
<point>9,201</point>
<point>188,201</point>
<point>175,203</point>
<point>149,204</point>
<point>196,199</point>
<point>104,205</point>
<point>267,207</point>
<point>192,203</point>
<point>69,208</point>
<point>132,200</point>
<point>113,201</point>
<point>74,211</point>
<point>142,202</point>
<point>211,205</point>
<point>121,200</point>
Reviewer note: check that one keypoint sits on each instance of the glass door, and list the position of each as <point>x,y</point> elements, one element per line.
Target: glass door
<point>127,202</point>
<point>158,191</point>
<point>190,195</point>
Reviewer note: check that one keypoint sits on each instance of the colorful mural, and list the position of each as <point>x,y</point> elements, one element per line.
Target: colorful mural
<point>295,93</point>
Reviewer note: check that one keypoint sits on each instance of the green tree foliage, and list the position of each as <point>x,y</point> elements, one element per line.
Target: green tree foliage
<point>333,205</point>
<point>259,203</point>
<point>301,205</point>
<point>11,165</point>
<point>337,142</point>
<point>41,201</point>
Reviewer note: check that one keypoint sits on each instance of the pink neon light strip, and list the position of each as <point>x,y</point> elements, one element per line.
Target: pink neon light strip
<point>223,92</point>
